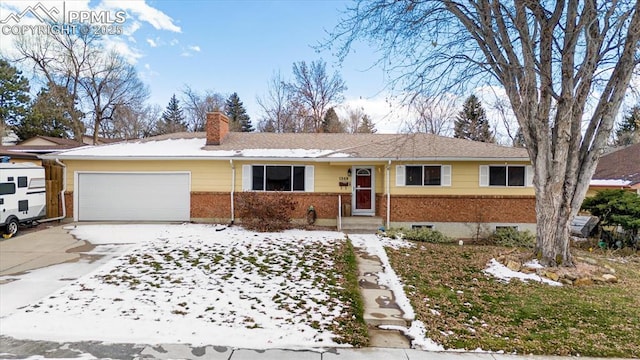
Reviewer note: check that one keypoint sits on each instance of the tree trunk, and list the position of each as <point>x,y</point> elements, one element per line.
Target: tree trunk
<point>553,215</point>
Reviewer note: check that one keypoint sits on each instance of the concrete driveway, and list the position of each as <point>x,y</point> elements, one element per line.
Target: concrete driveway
<point>38,262</point>
<point>37,249</point>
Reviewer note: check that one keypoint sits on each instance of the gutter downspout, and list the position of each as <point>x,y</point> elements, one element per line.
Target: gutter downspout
<point>233,188</point>
<point>64,189</point>
<point>388,194</point>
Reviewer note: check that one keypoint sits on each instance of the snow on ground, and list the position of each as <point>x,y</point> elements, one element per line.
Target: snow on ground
<point>503,273</point>
<point>196,284</point>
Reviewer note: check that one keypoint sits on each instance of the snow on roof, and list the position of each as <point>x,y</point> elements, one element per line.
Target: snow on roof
<point>609,182</point>
<point>192,147</point>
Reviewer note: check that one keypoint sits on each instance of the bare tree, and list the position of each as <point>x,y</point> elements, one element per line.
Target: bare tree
<point>97,81</point>
<point>132,122</point>
<point>550,56</point>
<point>61,59</point>
<point>316,90</point>
<point>435,114</point>
<point>198,104</point>
<point>354,118</point>
<point>280,111</point>
<point>110,82</point>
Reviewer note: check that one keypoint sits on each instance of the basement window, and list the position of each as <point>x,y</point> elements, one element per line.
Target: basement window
<point>422,226</point>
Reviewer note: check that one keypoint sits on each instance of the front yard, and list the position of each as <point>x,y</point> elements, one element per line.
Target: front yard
<point>204,284</point>
<point>462,307</point>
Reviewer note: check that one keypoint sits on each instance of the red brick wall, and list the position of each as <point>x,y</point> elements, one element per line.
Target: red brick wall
<point>210,205</point>
<point>452,208</point>
<point>404,208</point>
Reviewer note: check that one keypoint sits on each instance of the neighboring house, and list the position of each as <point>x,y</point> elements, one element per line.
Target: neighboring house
<point>619,169</point>
<point>19,157</point>
<point>41,145</point>
<point>456,186</point>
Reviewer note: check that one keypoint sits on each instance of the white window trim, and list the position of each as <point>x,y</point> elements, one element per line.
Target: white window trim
<point>484,176</point>
<point>309,181</point>
<point>445,175</point>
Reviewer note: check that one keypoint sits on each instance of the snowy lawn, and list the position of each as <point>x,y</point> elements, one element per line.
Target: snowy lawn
<point>463,306</point>
<point>203,284</point>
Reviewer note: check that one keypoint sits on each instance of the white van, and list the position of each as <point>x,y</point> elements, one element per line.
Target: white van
<point>22,195</point>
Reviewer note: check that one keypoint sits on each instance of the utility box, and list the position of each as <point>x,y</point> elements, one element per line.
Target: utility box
<point>346,209</point>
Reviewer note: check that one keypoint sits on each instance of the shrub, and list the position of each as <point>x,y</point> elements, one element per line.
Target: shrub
<point>265,211</point>
<point>419,234</point>
<point>511,237</point>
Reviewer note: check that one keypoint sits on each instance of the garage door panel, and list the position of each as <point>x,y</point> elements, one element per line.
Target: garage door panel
<point>134,196</point>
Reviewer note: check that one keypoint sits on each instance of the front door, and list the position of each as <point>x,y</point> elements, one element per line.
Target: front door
<point>363,191</point>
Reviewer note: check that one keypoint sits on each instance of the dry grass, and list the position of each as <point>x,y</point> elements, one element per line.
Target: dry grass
<point>464,308</point>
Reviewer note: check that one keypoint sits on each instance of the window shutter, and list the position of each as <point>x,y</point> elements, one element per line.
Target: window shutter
<point>400,175</point>
<point>528,174</point>
<point>309,181</point>
<point>445,175</point>
<point>484,175</point>
<point>247,178</point>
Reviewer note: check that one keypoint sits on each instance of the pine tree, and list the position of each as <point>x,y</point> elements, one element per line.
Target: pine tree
<point>172,119</point>
<point>471,123</point>
<point>331,122</point>
<point>239,120</point>
<point>14,95</point>
<point>48,115</point>
<point>629,130</point>
<point>366,126</point>
<point>518,140</point>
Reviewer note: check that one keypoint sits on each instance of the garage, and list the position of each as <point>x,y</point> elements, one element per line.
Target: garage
<point>133,196</point>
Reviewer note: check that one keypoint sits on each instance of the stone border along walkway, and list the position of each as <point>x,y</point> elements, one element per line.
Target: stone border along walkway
<point>380,307</point>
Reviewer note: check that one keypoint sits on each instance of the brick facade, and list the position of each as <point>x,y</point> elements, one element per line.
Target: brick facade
<point>453,208</point>
<point>404,208</point>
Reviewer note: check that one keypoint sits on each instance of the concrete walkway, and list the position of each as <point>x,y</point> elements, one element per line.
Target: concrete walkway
<point>20,349</point>
<point>380,307</point>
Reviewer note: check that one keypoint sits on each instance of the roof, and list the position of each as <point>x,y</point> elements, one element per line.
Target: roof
<point>40,149</point>
<point>53,140</point>
<point>322,147</point>
<point>618,168</point>
<point>17,154</point>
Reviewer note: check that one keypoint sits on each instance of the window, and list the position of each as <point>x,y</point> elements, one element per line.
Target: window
<point>506,175</point>
<point>22,181</point>
<point>37,183</point>
<point>7,188</point>
<point>423,175</point>
<point>277,178</point>
<point>421,226</point>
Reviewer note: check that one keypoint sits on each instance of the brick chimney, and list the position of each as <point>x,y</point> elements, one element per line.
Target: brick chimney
<point>217,127</point>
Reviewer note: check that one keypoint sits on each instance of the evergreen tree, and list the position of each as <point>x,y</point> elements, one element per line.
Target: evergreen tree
<point>471,123</point>
<point>172,119</point>
<point>629,130</point>
<point>331,122</point>
<point>366,126</point>
<point>14,94</point>
<point>518,140</point>
<point>48,115</point>
<point>239,120</point>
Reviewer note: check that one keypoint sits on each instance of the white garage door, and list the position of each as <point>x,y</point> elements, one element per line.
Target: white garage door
<point>133,196</point>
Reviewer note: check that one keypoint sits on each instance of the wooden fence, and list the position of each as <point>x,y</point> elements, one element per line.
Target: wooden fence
<point>53,173</point>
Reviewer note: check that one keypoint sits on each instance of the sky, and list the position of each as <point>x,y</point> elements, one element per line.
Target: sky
<point>227,46</point>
